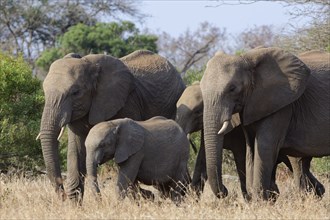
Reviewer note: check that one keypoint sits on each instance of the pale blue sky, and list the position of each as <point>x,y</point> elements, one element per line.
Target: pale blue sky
<point>174,17</point>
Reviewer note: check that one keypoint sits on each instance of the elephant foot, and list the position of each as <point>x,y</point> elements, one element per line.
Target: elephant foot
<point>75,197</point>
<point>223,192</point>
<point>176,196</point>
<point>60,192</point>
<point>197,186</point>
<point>317,188</point>
<point>272,196</point>
<point>247,197</point>
<point>264,195</point>
<point>147,194</point>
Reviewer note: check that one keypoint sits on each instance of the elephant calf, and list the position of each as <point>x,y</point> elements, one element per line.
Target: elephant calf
<point>154,152</point>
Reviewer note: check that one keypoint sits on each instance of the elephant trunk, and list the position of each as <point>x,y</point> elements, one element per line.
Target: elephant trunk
<point>182,120</point>
<point>52,121</point>
<point>213,152</point>
<point>49,131</point>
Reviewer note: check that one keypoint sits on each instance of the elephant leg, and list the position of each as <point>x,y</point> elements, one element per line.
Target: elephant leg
<point>76,160</point>
<point>127,174</point>
<point>281,158</point>
<point>312,183</point>
<point>164,190</point>
<point>296,164</point>
<point>285,159</point>
<point>199,176</point>
<point>249,162</point>
<point>269,139</point>
<point>184,181</point>
<point>263,172</point>
<point>177,190</point>
<point>239,158</point>
<point>273,186</point>
<point>303,178</point>
<point>235,141</point>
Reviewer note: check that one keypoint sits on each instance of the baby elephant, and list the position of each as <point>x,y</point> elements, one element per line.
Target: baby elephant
<point>154,152</point>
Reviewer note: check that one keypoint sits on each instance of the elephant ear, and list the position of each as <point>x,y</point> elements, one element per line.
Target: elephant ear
<point>278,79</point>
<point>114,83</point>
<point>130,139</point>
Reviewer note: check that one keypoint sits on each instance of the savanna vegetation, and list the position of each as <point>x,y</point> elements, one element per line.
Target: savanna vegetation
<point>35,33</point>
<point>33,198</point>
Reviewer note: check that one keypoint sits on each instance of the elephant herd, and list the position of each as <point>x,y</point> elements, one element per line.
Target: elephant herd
<point>267,106</point>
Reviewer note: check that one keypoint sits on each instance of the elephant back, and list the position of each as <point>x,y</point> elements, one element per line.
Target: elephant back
<point>317,61</point>
<point>158,81</point>
<point>146,63</point>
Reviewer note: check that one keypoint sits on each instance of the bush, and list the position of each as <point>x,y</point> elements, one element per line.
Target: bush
<point>21,103</point>
<point>321,166</point>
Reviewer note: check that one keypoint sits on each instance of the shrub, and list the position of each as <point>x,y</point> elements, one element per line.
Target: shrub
<point>21,104</point>
<point>321,165</point>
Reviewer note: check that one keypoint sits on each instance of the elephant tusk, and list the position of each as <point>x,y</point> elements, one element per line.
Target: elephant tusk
<point>38,136</point>
<point>224,127</point>
<point>61,133</point>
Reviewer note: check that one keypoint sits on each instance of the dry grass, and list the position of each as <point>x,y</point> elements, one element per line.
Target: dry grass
<point>22,198</point>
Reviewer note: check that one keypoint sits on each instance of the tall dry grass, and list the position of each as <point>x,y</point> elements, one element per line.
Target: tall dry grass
<point>34,198</point>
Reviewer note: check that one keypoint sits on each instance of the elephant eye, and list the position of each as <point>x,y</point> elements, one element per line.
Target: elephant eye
<point>75,92</point>
<point>232,88</point>
<point>198,112</point>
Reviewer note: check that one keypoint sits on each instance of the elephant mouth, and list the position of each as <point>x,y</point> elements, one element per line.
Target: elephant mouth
<point>99,157</point>
<point>238,108</point>
<point>78,112</point>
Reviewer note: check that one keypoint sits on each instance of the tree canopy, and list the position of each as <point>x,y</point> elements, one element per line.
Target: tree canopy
<point>115,38</point>
<point>31,26</point>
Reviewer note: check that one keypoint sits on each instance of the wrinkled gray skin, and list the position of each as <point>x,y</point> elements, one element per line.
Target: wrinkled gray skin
<point>80,92</point>
<point>189,116</point>
<point>154,152</point>
<point>283,106</point>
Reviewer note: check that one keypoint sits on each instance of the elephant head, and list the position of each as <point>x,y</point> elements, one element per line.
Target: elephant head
<point>255,85</point>
<point>75,88</point>
<point>118,139</point>
<point>189,113</point>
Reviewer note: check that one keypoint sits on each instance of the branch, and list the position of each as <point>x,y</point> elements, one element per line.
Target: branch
<point>191,61</point>
<point>230,2</point>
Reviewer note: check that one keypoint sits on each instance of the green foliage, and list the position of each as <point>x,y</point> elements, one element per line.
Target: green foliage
<point>321,165</point>
<point>193,75</point>
<point>21,104</point>
<point>196,140</point>
<point>116,39</point>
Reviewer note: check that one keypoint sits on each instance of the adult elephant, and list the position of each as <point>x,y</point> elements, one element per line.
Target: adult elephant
<point>82,91</point>
<point>189,116</point>
<point>283,106</point>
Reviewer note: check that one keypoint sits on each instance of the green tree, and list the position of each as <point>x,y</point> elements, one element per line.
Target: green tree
<point>116,39</point>
<point>21,103</point>
<point>31,26</point>
<point>193,75</point>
